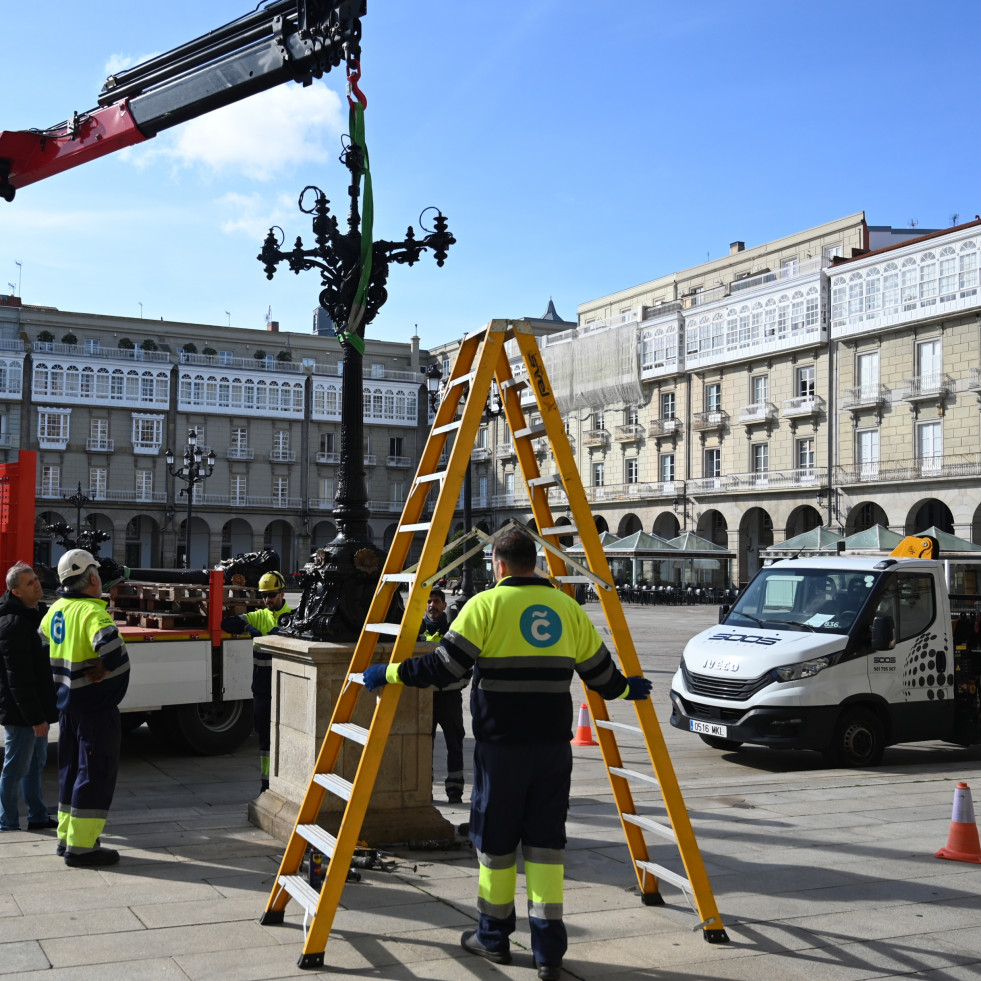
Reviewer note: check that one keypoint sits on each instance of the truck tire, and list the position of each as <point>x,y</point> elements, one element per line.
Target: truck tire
<point>858,741</point>
<point>717,742</point>
<point>205,729</point>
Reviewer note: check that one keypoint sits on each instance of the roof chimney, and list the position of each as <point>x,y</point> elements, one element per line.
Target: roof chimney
<point>273,325</point>
<point>735,247</point>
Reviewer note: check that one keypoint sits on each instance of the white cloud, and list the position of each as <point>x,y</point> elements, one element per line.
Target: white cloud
<point>252,215</point>
<point>258,137</point>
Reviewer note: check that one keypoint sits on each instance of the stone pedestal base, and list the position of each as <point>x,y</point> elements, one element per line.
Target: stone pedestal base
<point>306,675</point>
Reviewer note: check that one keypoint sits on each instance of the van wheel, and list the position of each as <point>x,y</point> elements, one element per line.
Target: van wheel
<point>718,743</point>
<point>858,741</point>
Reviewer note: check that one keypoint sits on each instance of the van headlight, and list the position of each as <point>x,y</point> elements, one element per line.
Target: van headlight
<point>806,669</point>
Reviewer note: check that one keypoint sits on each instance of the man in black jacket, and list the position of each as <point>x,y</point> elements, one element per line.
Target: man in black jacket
<point>27,700</point>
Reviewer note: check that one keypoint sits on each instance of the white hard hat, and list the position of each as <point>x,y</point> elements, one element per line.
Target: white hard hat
<point>74,563</point>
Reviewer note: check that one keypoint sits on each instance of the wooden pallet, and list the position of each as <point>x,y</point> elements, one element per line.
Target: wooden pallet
<point>175,605</point>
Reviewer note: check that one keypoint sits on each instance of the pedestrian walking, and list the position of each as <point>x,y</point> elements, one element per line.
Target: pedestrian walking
<point>523,640</point>
<point>27,701</point>
<point>90,666</point>
<point>447,701</point>
<point>260,623</point>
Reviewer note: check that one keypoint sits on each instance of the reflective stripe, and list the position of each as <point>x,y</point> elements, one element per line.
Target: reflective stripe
<point>471,650</point>
<point>497,861</point>
<point>543,856</point>
<point>526,662</point>
<point>545,911</point>
<point>536,687</point>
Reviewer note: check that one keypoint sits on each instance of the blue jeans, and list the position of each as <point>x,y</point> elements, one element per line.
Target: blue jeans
<point>24,757</point>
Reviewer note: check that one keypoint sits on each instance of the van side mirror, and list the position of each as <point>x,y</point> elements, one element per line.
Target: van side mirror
<point>724,612</point>
<point>883,634</point>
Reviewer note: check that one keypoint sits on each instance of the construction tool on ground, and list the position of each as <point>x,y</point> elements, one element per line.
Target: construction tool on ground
<point>483,357</point>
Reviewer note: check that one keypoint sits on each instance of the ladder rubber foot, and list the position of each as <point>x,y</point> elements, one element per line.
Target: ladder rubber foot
<point>310,961</point>
<point>272,917</point>
<point>652,899</point>
<point>716,936</point>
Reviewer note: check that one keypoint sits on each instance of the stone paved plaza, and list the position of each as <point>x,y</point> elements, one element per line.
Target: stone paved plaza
<point>819,874</point>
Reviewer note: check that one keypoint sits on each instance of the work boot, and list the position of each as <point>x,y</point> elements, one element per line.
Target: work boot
<point>469,942</point>
<point>549,972</point>
<point>97,859</point>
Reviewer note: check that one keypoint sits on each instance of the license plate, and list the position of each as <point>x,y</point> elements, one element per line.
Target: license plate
<point>708,728</point>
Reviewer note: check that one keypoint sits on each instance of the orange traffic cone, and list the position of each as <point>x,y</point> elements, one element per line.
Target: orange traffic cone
<point>584,734</point>
<point>962,843</point>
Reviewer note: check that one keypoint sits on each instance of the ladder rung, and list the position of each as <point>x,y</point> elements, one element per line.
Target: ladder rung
<point>560,530</point>
<point>666,874</point>
<point>321,840</point>
<point>421,526</point>
<point>348,730</point>
<point>634,775</point>
<point>550,480</point>
<point>515,383</point>
<point>338,786</point>
<point>388,629</point>
<point>448,428</point>
<point>650,825</point>
<point>623,726</point>
<point>426,477</point>
<point>301,890</point>
<point>399,577</point>
<point>530,431</point>
<point>464,379</point>
<point>572,579</point>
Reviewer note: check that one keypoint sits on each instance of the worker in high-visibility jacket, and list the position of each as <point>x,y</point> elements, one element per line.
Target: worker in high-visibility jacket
<point>259,623</point>
<point>90,665</point>
<point>523,639</point>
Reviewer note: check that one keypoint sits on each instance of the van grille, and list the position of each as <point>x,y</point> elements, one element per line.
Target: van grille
<point>727,688</point>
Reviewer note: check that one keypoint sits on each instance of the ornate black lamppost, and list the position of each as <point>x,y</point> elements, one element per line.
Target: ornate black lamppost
<point>195,470</point>
<point>353,272</point>
<point>78,500</point>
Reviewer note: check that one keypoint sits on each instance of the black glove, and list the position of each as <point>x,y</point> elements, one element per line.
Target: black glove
<point>638,688</point>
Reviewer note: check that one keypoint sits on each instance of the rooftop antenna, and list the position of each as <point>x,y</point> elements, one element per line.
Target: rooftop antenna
<point>953,218</point>
<point>913,223</point>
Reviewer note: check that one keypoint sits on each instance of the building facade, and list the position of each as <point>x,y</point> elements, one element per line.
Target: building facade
<point>829,377</point>
<point>103,398</point>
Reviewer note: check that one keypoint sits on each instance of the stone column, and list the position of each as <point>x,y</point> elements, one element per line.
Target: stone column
<point>306,678</point>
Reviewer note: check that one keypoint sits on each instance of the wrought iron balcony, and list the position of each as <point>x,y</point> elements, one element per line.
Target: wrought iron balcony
<point>758,412</point>
<point>928,468</point>
<point>239,453</point>
<point>479,454</point>
<point>99,444</point>
<point>926,387</point>
<point>708,421</point>
<point>328,456</point>
<point>399,461</point>
<point>282,456</point>
<point>628,433</point>
<point>863,396</point>
<point>596,437</point>
<point>802,407</point>
<point>665,426</point>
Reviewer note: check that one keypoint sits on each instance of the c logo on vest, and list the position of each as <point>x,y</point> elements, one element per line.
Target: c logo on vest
<point>540,626</point>
<point>58,627</point>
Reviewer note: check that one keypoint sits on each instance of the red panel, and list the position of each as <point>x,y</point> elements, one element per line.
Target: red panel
<point>17,482</point>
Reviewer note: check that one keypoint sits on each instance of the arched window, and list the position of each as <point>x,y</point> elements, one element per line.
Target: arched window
<point>967,269</point>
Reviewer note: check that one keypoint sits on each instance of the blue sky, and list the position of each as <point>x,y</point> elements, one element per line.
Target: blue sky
<point>577,149</point>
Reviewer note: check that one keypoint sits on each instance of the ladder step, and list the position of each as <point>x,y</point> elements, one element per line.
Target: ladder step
<point>349,730</point>
<point>448,428</point>
<point>648,824</point>
<point>559,530</point>
<point>516,383</point>
<point>427,477</point>
<point>301,890</point>
<point>321,840</point>
<point>421,526</point>
<point>666,875</point>
<point>634,775</point>
<point>338,786</point>
<point>572,579</point>
<point>399,577</point>
<point>388,629</point>
<point>550,480</point>
<point>622,726</point>
<point>530,431</point>
<point>464,379</point>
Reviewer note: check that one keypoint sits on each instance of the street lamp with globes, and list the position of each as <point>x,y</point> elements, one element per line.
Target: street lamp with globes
<point>195,469</point>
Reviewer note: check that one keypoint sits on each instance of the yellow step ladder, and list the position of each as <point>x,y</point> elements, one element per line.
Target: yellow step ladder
<point>482,357</point>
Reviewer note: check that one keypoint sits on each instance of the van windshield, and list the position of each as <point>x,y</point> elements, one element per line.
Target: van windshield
<point>818,600</point>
